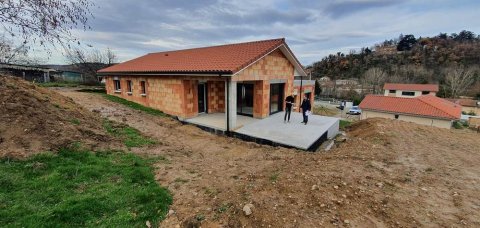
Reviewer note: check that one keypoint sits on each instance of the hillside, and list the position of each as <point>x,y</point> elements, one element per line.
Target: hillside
<point>409,60</point>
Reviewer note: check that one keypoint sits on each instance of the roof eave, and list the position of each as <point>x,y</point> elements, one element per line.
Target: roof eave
<point>410,114</point>
<point>222,73</point>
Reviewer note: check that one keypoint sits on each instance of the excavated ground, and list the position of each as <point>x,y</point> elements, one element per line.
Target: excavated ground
<point>388,173</point>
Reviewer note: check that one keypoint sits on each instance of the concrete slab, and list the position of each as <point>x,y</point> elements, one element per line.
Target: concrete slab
<point>217,120</point>
<point>294,134</point>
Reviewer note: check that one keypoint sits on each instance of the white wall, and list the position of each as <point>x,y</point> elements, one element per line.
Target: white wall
<point>398,93</point>
<point>414,119</point>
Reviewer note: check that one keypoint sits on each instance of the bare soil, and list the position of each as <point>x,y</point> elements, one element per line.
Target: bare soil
<point>387,174</point>
<point>35,119</point>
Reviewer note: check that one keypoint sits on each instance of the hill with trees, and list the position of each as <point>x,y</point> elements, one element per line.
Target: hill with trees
<point>452,61</point>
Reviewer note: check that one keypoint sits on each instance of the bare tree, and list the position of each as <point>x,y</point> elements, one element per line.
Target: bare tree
<point>458,80</point>
<point>44,22</point>
<point>90,61</point>
<point>375,78</point>
<point>11,54</point>
<point>111,56</point>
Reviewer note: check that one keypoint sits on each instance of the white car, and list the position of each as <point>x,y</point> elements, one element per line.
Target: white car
<point>354,110</point>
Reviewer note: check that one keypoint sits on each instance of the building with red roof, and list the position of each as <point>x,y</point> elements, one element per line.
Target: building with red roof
<point>251,78</point>
<point>427,109</point>
<point>409,90</point>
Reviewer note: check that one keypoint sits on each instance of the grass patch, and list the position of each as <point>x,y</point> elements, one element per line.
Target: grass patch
<point>134,105</point>
<point>131,137</point>
<point>75,121</point>
<point>458,125</point>
<point>274,177</point>
<point>181,180</point>
<point>80,188</point>
<point>93,90</point>
<point>59,84</point>
<point>344,124</point>
<point>324,111</point>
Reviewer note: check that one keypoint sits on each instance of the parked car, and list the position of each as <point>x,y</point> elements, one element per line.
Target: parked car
<point>354,110</point>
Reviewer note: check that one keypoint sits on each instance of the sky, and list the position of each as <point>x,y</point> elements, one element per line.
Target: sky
<point>312,28</point>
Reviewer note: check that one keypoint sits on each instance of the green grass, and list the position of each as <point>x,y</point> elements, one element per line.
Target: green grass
<point>344,124</point>
<point>80,188</point>
<point>134,105</point>
<point>274,177</point>
<point>92,90</point>
<point>75,121</point>
<point>458,125</point>
<point>59,84</point>
<point>131,137</point>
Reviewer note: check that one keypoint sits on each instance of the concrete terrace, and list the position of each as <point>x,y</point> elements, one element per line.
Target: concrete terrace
<point>273,131</point>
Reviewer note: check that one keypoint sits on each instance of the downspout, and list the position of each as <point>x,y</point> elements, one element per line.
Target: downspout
<point>301,94</point>
<point>228,104</point>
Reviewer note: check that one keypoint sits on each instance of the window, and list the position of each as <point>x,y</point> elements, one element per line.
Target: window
<point>425,92</point>
<point>408,93</point>
<point>392,91</point>
<point>143,87</point>
<point>116,84</point>
<point>129,87</point>
<point>396,117</point>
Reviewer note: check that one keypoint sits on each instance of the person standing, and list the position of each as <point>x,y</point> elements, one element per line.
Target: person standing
<point>288,107</point>
<point>306,107</point>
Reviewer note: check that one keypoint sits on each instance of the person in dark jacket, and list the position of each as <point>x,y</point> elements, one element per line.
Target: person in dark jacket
<point>306,106</point>
<point>288,107</point>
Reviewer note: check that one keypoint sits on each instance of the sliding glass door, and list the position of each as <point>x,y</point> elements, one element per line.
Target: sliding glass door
<point>245,99</point>
<point>276,97</point>
<point>202,98</point>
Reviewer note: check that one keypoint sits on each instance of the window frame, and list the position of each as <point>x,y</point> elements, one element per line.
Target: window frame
<point>129,87</point>
<point>408,93</point>
<point>143,88</point>
<point>116,88</point>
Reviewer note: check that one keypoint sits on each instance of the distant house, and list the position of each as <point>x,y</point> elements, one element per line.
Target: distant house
<point>409,90</point>
<point>425,110</point>
<point>468,105</point>
<point>251,79</point>
<point>29,73</point>
<point>347,82</point>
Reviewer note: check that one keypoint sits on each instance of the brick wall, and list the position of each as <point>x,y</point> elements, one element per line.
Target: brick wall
<point>216,96</point>
<point>174,95</point>
<point>273,66</point>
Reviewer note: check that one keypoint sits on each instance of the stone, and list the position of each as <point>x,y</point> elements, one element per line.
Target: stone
<point>346,221</point>
<point>424,189</point>
<point>149,225</point>
<point>335,187</point>
<point>171,212</point>
<point>314,187</point>
<point>247,209</point>
<point>379,184</point>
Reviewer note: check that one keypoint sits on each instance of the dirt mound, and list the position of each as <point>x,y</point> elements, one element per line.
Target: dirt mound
<point>35,119</point>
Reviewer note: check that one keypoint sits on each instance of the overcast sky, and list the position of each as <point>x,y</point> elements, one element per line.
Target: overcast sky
<point>313,29</point>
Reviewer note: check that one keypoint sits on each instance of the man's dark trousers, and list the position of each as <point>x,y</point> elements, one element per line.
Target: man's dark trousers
<point>288,110</point>
<point>305,117</point>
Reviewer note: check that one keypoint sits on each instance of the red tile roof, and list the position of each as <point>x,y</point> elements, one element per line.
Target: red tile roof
<point>227,59</point>
<point>411,87</point>
<point>427,106</point>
